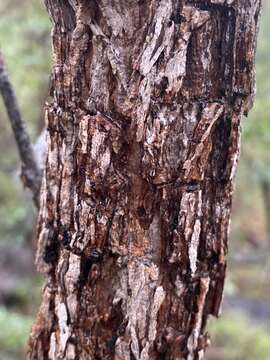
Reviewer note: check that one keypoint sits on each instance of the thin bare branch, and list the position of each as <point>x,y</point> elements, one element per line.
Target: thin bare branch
<point>31,173</point>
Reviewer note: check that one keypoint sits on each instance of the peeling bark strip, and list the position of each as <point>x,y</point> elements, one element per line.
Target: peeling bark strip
<point>143,140</point>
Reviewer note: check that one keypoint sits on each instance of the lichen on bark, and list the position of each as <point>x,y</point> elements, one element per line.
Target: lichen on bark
<point>143,133</point>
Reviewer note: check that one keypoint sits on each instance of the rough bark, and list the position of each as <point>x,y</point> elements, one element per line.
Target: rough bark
<point>143,132</point>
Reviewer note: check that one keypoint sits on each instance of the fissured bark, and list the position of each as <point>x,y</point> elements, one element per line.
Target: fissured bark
<point>143,132</point>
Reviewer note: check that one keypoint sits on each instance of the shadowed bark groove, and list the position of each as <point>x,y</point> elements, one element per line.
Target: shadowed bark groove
<point>143,132</point>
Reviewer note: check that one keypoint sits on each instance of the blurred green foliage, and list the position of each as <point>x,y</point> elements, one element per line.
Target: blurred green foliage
<point>13,335</point>
<point>24,30</point>
<point>244,340</point>
<point>250,207</point>
<point>25,43</point>
<point>256,135</point>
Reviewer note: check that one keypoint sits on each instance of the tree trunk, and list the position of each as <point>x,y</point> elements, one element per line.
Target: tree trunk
<point>143,129</point>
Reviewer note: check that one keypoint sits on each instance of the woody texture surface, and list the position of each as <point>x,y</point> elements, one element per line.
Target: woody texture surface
<point>143,133</point>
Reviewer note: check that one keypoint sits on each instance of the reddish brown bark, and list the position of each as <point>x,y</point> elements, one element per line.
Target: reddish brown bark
<point>143,140</point>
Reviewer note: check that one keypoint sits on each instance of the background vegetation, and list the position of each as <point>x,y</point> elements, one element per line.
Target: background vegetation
<point>243,332</point>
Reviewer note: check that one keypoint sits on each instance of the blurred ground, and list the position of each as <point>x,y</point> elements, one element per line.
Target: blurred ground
<point>243,331</point>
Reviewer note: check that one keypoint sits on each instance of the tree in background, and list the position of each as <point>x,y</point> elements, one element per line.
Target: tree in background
<point>143,133</point>
<point>24,41</point>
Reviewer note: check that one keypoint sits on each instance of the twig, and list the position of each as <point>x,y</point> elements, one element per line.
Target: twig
<point>31,173</point>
